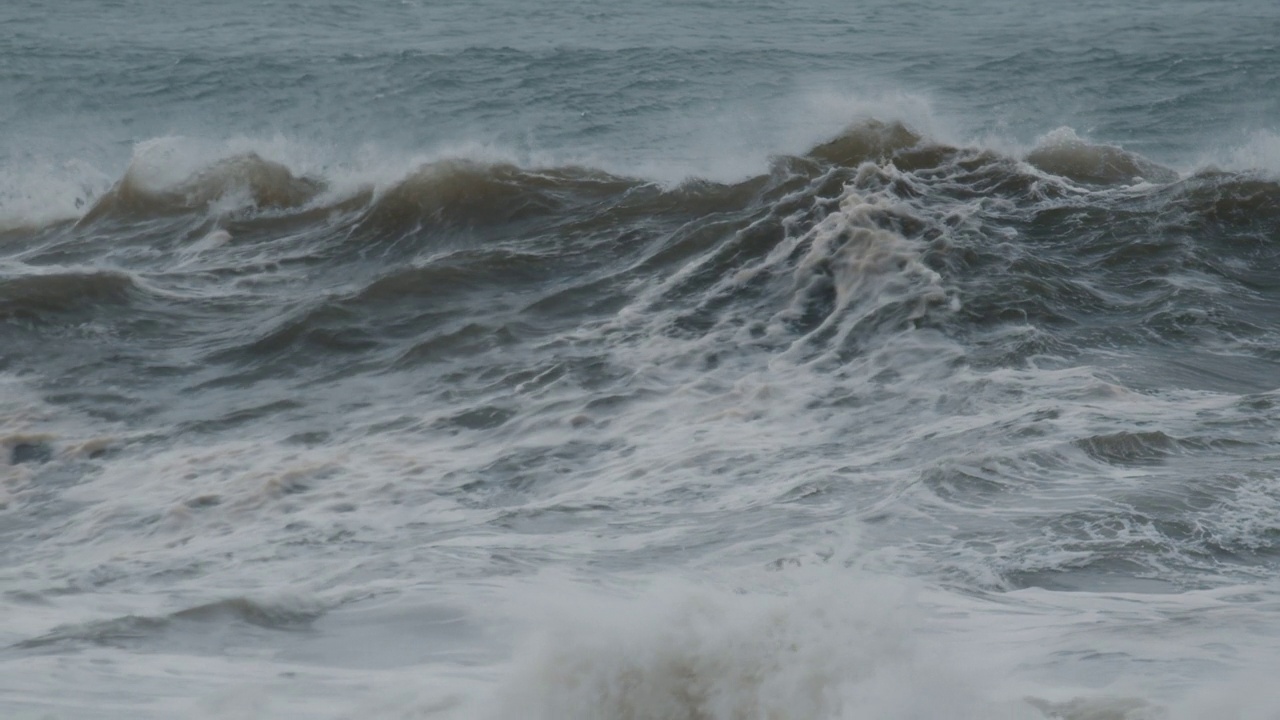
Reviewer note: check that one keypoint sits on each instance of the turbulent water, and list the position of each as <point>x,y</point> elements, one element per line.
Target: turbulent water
<point>648,361</point>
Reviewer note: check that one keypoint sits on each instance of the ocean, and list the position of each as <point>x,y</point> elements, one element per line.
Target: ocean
<point>706,360</point>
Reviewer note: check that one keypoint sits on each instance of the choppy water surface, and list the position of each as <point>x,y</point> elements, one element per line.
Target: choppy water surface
<point>709,361</point>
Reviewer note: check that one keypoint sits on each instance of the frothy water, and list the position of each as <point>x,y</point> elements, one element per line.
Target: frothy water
<point>681,362</point>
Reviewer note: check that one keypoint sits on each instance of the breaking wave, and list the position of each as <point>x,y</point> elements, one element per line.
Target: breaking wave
<point>952,313</point>
<point>162,180</point>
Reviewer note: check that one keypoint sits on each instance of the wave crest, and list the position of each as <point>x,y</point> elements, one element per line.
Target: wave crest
<point>245,179</point>
<point>35,295</point>
<point>869,141</point>
<point>464,193</point>
<point>1064,153</point>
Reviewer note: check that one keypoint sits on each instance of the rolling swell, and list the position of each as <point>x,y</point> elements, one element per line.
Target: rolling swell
<point>133,629</point>
<point>36,296</point>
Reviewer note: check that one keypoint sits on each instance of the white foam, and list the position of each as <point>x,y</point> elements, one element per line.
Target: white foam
<point>1258,152</point>
<point>848,647</point>
<point>42,191</point>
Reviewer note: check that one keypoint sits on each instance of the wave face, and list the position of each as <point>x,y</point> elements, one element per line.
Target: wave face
<point>667,361</point>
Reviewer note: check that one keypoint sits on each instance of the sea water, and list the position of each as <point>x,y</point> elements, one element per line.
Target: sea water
<point>659,360</point>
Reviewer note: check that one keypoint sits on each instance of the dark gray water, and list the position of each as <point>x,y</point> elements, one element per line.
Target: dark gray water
<point>685,361</point>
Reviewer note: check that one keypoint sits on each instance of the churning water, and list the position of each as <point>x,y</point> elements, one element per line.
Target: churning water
<point>653,361</point>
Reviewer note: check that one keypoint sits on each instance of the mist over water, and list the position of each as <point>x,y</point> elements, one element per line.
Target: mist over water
<point>655,361</point>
